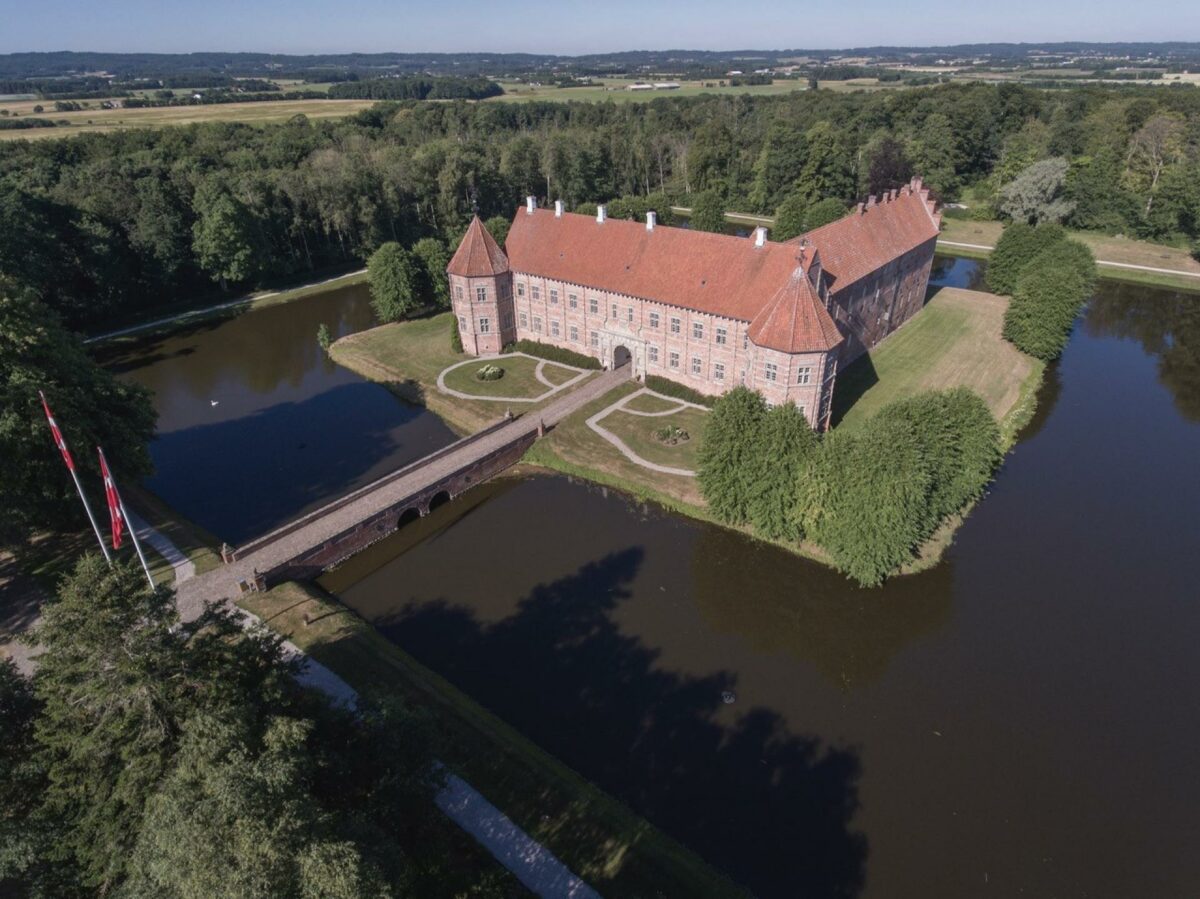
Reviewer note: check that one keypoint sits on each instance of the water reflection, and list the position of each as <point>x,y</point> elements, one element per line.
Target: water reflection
<point>256,424</point>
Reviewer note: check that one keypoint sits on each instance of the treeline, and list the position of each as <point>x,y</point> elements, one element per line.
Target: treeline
<point>210,97</point>
<point>108,224</point>
<point>868,496</point>
<point>1049,276</point>
<point>416,89</point>
<point>154,757</point>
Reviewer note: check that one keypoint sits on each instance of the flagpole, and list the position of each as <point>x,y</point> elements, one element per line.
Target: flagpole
<point>125,515</point>
<point>75,477</point>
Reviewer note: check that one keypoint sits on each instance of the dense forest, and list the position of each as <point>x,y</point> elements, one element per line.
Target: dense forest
<point>105,225</point>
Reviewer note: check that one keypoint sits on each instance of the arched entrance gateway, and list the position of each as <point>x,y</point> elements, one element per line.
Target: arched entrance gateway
<point>621,356</point>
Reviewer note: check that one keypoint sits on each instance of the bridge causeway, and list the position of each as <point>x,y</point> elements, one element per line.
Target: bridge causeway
<point>320,539</point>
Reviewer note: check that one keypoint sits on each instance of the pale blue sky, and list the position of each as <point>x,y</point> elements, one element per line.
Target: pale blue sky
<point>569,27</point>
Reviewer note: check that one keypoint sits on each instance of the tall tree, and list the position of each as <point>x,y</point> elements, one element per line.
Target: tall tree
<point>708,211</point>
<point>785,441</point>
<point>394,281</point>
<point>433,257</point>
<point>1153,149</point>
<point>225,237</point>
<point>729,454</point>
<point>1036,195</point>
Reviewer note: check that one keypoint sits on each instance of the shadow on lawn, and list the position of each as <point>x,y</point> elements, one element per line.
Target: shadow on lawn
<point>858,377</point>
<point>771,808</point>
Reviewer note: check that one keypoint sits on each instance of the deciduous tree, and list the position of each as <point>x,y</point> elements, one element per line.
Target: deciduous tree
<point>394,282</point>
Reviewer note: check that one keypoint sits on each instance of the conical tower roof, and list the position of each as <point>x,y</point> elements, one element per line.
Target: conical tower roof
<point>795,320</point>
<point>478,256</point>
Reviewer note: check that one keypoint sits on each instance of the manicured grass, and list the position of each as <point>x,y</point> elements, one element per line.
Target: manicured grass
<point>518,379</point>
<point>251,113</point>
<point>1105,247</point>
<point>598,838</point>
<point>558,374</point>
<point>648,402</point>
<point>407,357</point>
<point>954,341</point>
<point>637,432</point>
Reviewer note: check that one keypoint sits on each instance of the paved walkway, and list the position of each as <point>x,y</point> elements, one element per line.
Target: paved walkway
<point>1128,265</point>
<point>184,567</point>
<point>620,405</point>
<point>320,527</point>
<point>537,373</point>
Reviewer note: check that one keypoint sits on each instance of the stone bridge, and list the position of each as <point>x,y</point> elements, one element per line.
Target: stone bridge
<point>320,539</point>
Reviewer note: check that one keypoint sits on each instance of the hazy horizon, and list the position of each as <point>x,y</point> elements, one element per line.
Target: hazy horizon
<point>532,26</point>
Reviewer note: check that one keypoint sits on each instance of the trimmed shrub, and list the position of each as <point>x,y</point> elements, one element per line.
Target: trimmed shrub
<point>785,441</point>
<point>731,456</point>
<point>670,388</point>
<point>1049,294</point>
<point>490,373</point>
<point>1016,246</point>
<point>455,336</point>
<point>671,435</point>
<point>553,353</point>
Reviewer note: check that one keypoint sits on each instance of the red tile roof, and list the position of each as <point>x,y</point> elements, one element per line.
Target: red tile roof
<point>714,273</point>
<point>478,255</point>
<point>853,247</point>
<point>795,320</point>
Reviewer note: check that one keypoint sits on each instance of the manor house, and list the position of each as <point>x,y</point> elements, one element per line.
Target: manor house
<point>708,310</point>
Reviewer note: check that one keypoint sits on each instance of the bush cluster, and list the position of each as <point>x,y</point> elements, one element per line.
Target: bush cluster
<point>674,389</point>
<point>1049,276</point>
<point>869,496</point>
<point>553,353</point>
<point>490,373</point>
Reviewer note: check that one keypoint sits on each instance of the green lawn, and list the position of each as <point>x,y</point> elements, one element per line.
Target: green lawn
<point>558,374</point>
<point>954,341</point>
<point>637,432</point>
<point>518,379</point>
<point>648,402</point>
<point>601,840</point>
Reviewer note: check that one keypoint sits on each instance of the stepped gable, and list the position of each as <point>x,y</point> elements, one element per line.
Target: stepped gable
<point>795,320</point>
<point>713,273</point>
<point>878,232</point>
<point>478,256</point>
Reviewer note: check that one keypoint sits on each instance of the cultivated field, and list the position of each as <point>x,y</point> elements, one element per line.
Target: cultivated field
<point>96,119</point>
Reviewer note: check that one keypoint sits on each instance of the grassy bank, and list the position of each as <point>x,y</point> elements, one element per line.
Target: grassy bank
<point>1183,274</point>
<point>600,839</point>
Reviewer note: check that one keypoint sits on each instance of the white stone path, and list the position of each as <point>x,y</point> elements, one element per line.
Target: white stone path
<point>538,373</point>
<point>1128,265</point>
<point>531,862</point>
<point>619,405</point>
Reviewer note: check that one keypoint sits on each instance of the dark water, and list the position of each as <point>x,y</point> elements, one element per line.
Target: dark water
<point>289,431</point>
<point>1021,720</point>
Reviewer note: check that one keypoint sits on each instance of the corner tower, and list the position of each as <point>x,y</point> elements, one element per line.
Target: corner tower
<point>481,292</point>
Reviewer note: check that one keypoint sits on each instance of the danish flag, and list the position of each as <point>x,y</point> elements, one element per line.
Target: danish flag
<point>58,437</point>
<point>114,503</point>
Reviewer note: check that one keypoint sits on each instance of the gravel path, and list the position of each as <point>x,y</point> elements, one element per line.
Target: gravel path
<point>537,373</point>
<point>619,405</point>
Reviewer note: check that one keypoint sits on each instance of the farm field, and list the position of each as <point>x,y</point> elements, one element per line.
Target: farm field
<point>615,89</point>
<point>95,119</point>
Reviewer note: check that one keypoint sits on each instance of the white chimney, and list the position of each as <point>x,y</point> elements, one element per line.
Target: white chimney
<point>651,221</point>
<point>530,205</point>
<point>760,236</point>
<point>601,213</point>
<point>558,209</point>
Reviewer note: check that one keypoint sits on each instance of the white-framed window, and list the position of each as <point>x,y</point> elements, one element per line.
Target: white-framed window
<point>554,295</point>
<point>574,334</point>
<point>652,353</point>
<point>722,335</point>
<point>697,330</point>
<point>458,292</point>
<point>614,311</point>
<point>554,328</point>
<point>770,371</point>
<point>696,365</point>
<point>629,314</point>
<point>676,325</point>
<point>462,323</point>
<point>524,320</point>
<point>718,371</point>
<point>573,300</point>
<point>804,374</point>
<point>593,306</point>
<point>481,294</point>
<point>520,288</point>
<point>485,326</point>
<point>653,319</point>
<point>537,323</point>
<point>594,338</point>
<point>535,292</point>
<point>674,359</point>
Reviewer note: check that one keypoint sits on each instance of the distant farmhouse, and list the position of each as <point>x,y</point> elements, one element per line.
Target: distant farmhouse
<point>708,310</point>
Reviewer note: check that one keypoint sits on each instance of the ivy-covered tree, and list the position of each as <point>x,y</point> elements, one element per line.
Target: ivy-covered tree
<point>393,276</point>
<point>730,454</point>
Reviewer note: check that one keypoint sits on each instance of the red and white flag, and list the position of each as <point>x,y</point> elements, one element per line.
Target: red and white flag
<point>114,503</point>
<point>58,437</point>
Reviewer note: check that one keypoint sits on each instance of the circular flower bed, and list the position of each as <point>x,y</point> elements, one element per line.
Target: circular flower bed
<point>490,373</point>
<point>671,435</point>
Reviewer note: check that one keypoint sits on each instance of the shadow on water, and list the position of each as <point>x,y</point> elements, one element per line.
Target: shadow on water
<point>771,807</point>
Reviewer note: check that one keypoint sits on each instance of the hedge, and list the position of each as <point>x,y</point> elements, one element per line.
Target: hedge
<point>553,353</point>
<point>667,387</point>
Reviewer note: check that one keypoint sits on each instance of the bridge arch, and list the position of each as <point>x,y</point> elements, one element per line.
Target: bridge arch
<point>439,499</point>
<point>408,516</point>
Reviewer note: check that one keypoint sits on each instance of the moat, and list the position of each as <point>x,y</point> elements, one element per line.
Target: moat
<point>1017,720</point>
